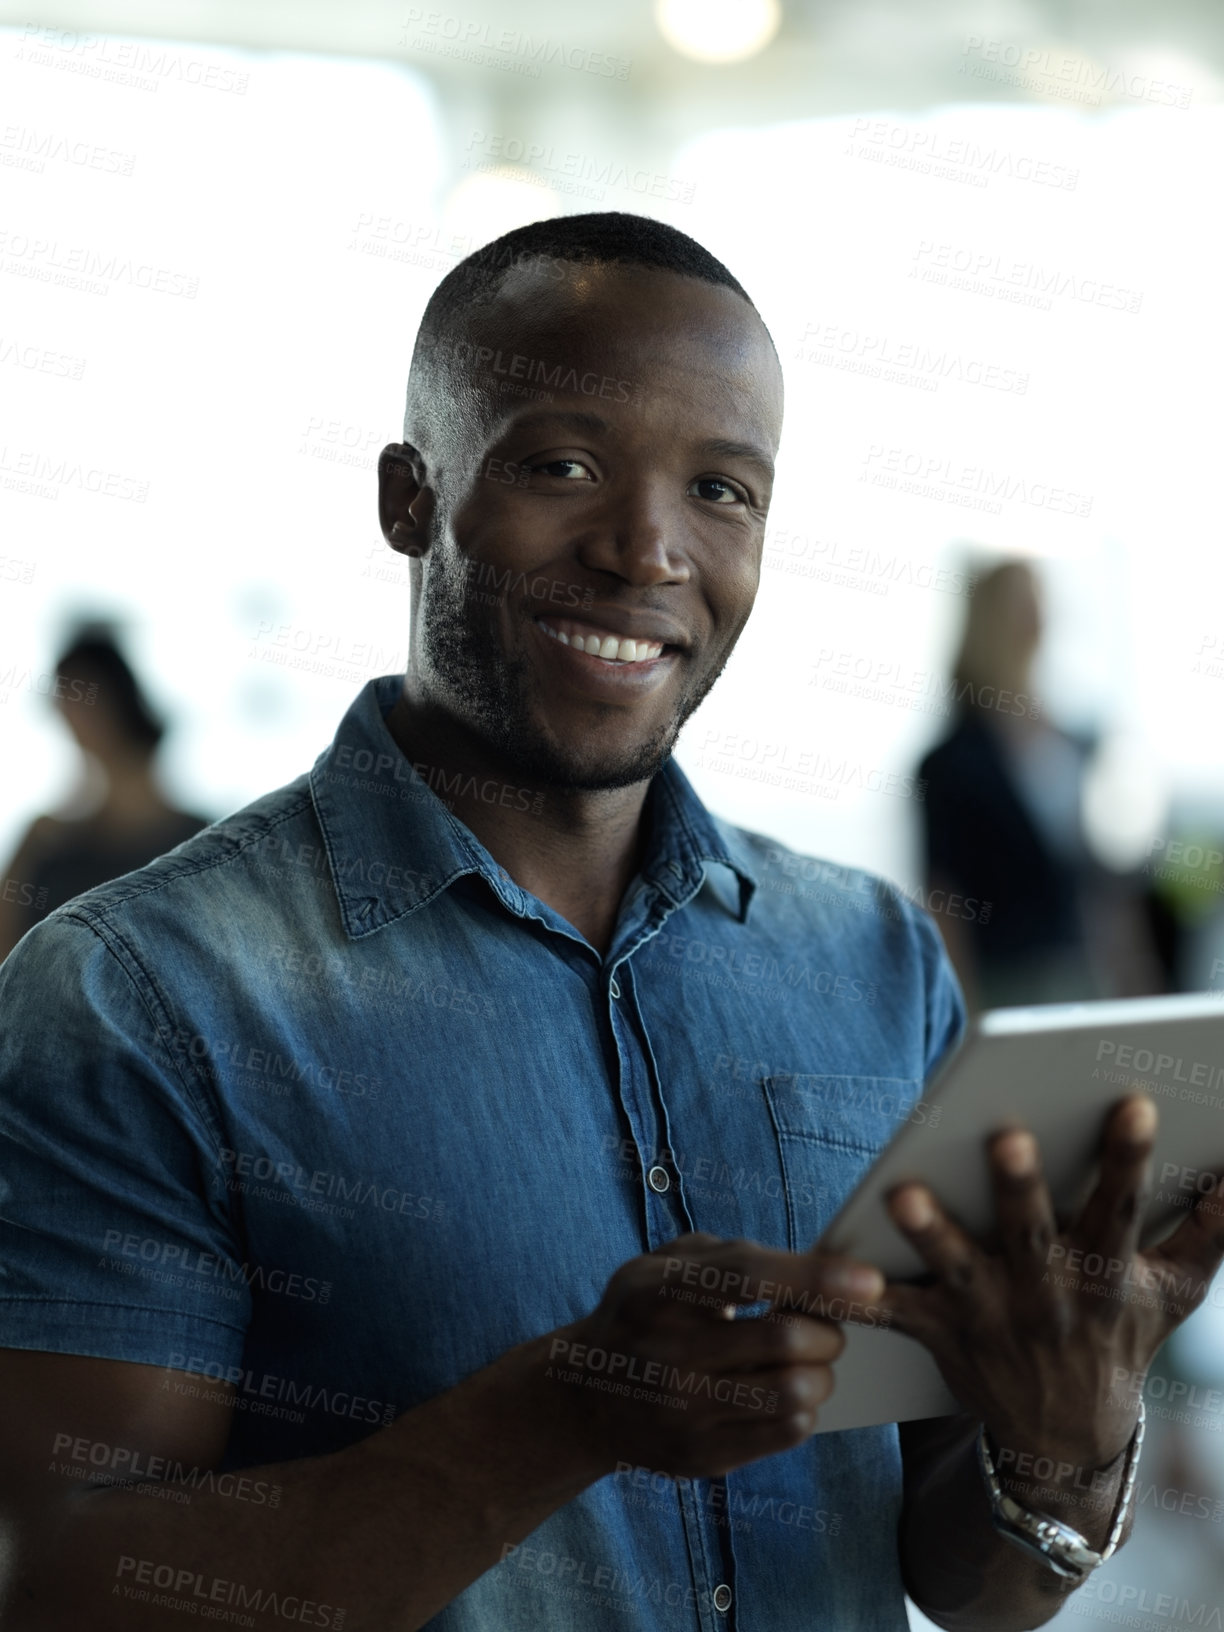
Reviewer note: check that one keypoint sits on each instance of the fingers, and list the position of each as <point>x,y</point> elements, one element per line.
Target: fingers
<point>940,1242</point>
<point>1023,1209</point>
<point>1195,1250</point>
<point>705,1275</point>
<point>1113,1215</point>
<point>774,1339</point>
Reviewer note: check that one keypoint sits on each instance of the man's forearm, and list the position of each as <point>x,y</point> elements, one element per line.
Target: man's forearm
<point>957,1568</point>
<point>387,1531</point>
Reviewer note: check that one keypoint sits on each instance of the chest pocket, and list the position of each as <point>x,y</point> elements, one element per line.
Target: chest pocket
<point>830,1129</point>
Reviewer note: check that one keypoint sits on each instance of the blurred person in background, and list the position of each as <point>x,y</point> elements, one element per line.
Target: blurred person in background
<point>117,818</point>
<point>1004,829</point>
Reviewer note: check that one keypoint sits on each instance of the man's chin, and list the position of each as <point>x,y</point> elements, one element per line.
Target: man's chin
<point>590,768</point>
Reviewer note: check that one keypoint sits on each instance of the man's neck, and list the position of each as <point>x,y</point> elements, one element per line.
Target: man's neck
<point>574,849</point>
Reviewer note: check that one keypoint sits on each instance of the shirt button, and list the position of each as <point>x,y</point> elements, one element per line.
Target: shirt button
<point>614,986</point>
<point>659,1179</point>
<point>722,1598</point>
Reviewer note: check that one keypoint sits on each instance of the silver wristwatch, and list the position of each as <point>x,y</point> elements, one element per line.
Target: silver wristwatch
<point>1058,1546</point>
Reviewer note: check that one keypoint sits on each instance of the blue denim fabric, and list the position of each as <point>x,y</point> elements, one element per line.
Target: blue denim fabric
<point>324,1103</point>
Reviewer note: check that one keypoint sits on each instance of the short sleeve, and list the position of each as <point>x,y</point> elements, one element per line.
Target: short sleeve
<point>111,1243</point>
<point>946,1014</point>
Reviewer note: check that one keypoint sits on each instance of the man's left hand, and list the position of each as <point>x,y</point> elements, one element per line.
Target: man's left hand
<point>1049,1355</point>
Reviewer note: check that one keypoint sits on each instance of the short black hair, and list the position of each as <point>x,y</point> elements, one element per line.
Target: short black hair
<point>605,238</point>
<point>610,237</point>
<point>93,653</point>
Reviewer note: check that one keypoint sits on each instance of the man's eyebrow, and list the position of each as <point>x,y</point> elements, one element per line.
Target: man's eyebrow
<point>572,419</point>
<point>741,450</point>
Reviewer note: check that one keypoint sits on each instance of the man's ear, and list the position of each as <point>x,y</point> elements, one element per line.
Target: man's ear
<point>405,503</point>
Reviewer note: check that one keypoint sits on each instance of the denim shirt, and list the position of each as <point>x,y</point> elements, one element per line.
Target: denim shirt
<point>323,1103</point>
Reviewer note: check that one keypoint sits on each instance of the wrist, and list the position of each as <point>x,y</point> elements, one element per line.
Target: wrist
<point>1059,1464</point>
<point>568,1418</point>
<point>1035,1517</point>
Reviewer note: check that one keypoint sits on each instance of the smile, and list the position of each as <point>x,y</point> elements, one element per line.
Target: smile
<point>596,642</point>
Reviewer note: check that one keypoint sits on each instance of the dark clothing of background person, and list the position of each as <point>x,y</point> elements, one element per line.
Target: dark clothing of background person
<point>1017,856</point>
<point>62,859</point>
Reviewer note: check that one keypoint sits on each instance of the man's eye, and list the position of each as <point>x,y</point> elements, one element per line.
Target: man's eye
<point>568,470</point>
<point>726,494</point>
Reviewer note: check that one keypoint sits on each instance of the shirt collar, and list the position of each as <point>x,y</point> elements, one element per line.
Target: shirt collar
<point>392,844</point>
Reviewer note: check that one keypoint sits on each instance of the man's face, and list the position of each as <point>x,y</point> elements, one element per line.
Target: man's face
<point>628,506</point>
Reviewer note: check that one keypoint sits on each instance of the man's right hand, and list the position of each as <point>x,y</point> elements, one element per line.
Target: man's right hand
<point>663,1375</point>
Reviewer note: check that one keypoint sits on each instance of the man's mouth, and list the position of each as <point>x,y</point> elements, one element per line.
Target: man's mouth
<point>597,642</point>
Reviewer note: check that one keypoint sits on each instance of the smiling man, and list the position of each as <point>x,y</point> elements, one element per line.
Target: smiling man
<point>383,1169</point>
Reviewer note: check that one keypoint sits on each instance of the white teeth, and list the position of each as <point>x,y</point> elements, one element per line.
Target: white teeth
<point>610,647</point>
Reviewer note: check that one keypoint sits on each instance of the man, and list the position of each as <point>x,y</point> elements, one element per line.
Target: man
<point>370,1158</point>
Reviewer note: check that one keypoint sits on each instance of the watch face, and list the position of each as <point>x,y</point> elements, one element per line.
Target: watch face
<point>1048,1552</point>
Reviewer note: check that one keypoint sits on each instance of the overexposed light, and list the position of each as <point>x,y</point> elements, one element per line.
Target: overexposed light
<point>718,30</point>
<point>496,199</point>
<point>1125,803</point>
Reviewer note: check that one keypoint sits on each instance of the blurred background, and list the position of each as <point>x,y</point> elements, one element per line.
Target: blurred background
<point>987,658</point>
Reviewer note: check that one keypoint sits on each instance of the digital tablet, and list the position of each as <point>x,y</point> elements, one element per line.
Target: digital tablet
<point>1057,1069</point>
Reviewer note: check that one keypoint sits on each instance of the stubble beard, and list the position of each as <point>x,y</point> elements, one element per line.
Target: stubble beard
<point>495,694</point>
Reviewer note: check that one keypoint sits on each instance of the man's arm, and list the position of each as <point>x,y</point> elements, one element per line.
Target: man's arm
<point>388,1530</point>
<point>393,1528</point>
<point>957,1568</point>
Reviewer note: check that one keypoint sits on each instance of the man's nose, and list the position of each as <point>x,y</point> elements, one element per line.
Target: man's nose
<point>637,537</point>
